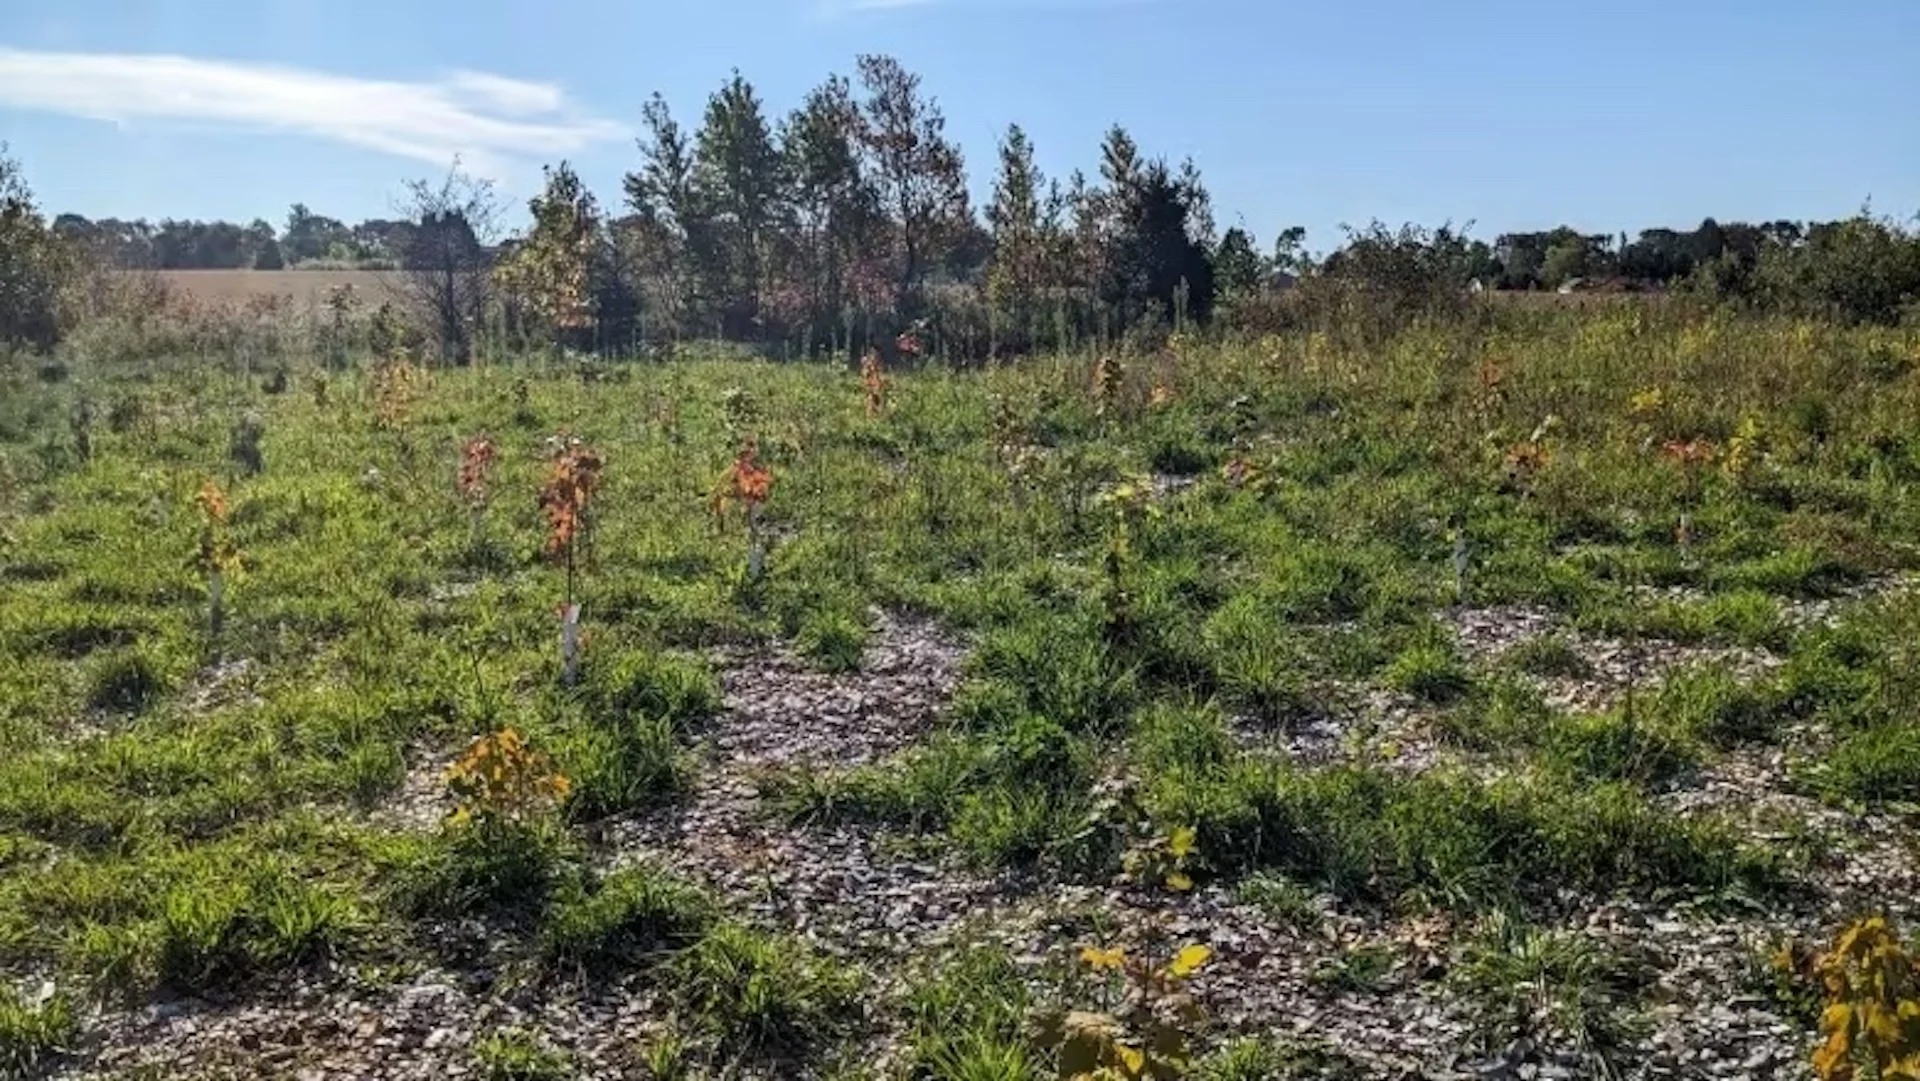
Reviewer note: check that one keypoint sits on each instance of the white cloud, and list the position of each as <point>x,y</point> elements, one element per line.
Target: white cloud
<point>489,120</point>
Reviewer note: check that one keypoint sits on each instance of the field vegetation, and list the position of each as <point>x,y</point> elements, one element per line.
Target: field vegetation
<point>1410,686</point>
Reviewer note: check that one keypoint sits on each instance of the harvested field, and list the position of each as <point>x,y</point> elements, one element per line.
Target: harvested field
<point>303,287</point>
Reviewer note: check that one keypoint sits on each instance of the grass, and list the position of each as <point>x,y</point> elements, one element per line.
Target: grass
<point>760,993</point>
<point>32,1033</point>
<point>968,1022</point>
<point>189,811</point>
<point>515,1054</point>
<point>1550,985</point>
<point>1258,1060</point>
<point>623,917</point>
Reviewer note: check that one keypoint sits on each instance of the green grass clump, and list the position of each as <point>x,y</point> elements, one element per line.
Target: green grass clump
<point>1874,766</point>
<point>126,681</point>
<point>1281,899</point>
<point>1452,840</point>
<point>1617,746</point>
<point>1551,986</point>
<point>833,640</point>
<point>625,763</point>
<point>1431,671</point>
<point>1261,1060</point>
<point>516,1054</point>
<point>1548,655</point>
<point>970,1021</point>
<point>622,917</point>
<point>511,869</point>
<point>757,993</point>
<point>32,1034</point>
<point>678,689</point>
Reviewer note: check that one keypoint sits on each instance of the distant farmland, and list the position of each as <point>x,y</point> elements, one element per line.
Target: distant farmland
<point>302,286</point>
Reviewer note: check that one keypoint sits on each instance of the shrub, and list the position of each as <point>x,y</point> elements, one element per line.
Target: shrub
<point>33,265</point>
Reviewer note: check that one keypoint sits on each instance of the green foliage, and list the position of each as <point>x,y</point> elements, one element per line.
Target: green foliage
<point>621,917</point>
<point>32,1033</point>
<point>1255,1060</point>
<point>758,993</point>
<point>968,1021</point>
<point>33,264</point>
<point>1550,986</point>
<point>1451,840</point>
<point>1429,670</point>
<point>517,1054</point>
<point>833,639</point>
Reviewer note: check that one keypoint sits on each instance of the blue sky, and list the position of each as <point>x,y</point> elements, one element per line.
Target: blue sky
<point>1513,115</point>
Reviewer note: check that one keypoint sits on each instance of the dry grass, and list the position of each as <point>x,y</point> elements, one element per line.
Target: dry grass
<point>301,286</point>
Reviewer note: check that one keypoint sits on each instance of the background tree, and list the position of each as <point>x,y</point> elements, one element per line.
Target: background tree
<point>741,176</point>
<point>673,235</point>
<point>1156,269</point>
<point>1236,266</point>
<point>447,268</point>
<point>1199,205</point>
<point>33,262</point>
<point>269,257</point>
<point>1290,251</point>
<point>549,272</point>
<point>919,175</point>
<point>833,210</point>
<point>1018,266</point>
<point>1568,256</point>
<point>308,235</point>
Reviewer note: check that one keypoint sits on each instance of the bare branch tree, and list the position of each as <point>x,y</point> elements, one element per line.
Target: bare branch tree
<point>446,271</point>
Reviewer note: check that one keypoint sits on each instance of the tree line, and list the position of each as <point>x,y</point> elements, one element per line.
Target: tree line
<point>849,217</point>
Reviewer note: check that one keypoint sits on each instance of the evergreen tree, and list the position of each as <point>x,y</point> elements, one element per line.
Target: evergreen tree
<point>1019,262</point>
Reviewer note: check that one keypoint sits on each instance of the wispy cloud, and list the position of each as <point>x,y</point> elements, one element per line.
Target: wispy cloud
<point>491,121</point>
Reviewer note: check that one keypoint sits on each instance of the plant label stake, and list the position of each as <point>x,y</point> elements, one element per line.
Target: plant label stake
<point>216,592</point>
<point>756,546</point>
<point>569,643</point>
<point>1461,558</point>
